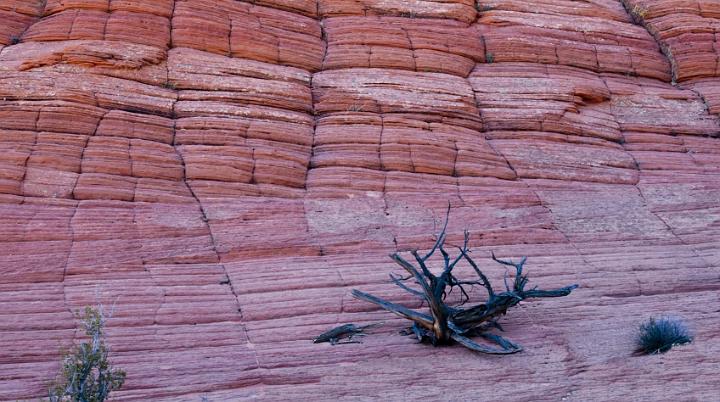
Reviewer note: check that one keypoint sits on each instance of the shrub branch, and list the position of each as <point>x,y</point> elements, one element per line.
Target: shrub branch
<point>446,324</point>
<point>86,375</point>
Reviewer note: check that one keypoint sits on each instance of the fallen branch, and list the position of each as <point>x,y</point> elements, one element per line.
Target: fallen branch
<point>445,323</point>
<point>349,331</point>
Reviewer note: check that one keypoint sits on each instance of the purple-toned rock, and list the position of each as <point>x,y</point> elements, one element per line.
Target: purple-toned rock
<point>221,174</point>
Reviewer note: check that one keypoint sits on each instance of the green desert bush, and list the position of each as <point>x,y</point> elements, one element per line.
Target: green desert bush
<point>658,335</point>
<point>86,375</point>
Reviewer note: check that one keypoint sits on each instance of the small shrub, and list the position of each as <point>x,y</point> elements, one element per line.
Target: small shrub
<point>14,40</point>
<point>86,375</point>
<point>639,11</point>
<point>489,57</point>
<point>661,334</point>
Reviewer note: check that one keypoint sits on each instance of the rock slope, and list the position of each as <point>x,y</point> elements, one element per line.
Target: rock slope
<point>225,172</point>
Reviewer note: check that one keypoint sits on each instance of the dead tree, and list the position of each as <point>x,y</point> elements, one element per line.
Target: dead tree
<point>445,323</point>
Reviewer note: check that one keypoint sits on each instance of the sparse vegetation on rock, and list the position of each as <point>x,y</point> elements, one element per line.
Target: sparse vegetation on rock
<point>447,324</point>
<point>86,375</point>
<point>658,335</point>
<point>639,11</point>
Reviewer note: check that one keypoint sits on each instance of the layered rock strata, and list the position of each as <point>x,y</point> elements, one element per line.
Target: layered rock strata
<point>224,172</point>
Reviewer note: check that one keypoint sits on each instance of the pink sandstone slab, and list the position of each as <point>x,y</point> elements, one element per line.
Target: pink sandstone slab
<point>687,32</point>
<point>597,36</point>
<point>224,173</point>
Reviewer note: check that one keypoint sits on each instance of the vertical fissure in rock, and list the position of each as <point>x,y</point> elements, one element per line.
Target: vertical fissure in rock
<point>455,159</point>
<point>487,140</point>
<point>107,19</point>
<point>380,146</point>
<point>485,53</point>
<point>315,115</point>
<point>254,165</point>
<point>648,207</point>
<point>664,48</point>
<point>206,220</point>
<point>71,229</point>
<point>172,15</point>
<point>41,10</point>
<point>517,177</point>
<point>204,217</point>
<point>707,107</point>
<point>229,36</point>
<point>324,38</point>
<point>82,152</point>
<point>27,159</point>
<point>412,47</point>
<point>554,226</point>
<point>669,228</point>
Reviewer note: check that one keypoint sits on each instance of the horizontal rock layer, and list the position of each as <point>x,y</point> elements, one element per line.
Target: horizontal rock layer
<point>223,173</point>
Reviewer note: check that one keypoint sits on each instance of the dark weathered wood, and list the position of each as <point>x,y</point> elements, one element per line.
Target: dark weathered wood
<point>334,335</point>
<point>506,347</point>
<point>447,323</point>
<point>398,281</point>
<point>420,318</point>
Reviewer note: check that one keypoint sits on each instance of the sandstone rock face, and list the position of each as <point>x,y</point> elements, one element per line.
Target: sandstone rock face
<point>225,172</point>
<point>687,32</point>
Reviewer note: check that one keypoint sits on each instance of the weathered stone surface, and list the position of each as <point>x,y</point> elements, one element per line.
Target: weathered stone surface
<point>641,105</point>
<point>91,24</point>
<point>223,173</point>
<point>598,36</point>
<point>441,46</point>
<point>224,143</point>
<point>388,91</point>
<point>687,31</point>
<point>135,62</point>
<point>17,16</point>
<point>395,143</point>
<point>545,158</point>
<point>461,10</point>
<point>522,96</point>
<point>247,31</point>
<point>241,81</point>
<point>709,90</point>
<point>41,93</point>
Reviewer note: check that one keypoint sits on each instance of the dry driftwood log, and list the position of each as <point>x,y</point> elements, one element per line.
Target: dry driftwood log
<point>447,323</point>
<point>349,331</point>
